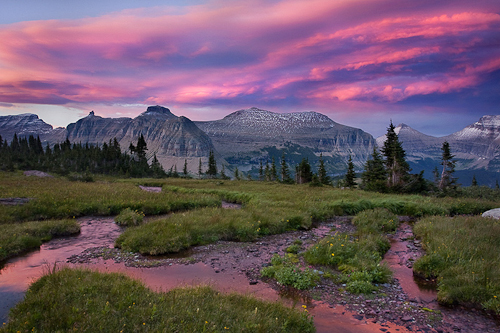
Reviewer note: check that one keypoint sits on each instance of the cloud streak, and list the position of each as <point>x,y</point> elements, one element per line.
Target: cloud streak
<point>313,54</point>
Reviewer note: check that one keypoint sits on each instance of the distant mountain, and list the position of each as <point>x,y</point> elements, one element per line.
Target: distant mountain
<point>173,139</point>
<point>28,124</point>
<point>476,149</point>
<point>246,136</point>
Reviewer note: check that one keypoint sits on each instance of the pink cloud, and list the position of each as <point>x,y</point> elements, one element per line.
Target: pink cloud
<point>313,52</point>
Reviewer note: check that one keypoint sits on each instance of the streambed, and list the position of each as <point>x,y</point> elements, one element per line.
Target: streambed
<point>229,266</point>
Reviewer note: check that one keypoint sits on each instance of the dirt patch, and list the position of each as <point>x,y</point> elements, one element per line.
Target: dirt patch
<point>37,173</point>
<point>14,201</point>
<point>154,189</point>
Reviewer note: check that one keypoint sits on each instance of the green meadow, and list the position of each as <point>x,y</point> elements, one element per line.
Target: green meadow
<point>462,248</point>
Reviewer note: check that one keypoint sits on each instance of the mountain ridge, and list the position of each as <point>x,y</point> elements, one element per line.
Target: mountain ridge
<point>248,136</point>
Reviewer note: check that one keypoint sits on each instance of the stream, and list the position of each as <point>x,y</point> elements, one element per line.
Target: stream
<point>96,232</point>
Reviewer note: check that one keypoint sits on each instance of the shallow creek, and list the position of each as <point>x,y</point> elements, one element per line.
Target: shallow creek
<point>18,273</point>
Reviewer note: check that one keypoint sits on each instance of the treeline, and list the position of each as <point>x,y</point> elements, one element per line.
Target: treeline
<point>68,158</point>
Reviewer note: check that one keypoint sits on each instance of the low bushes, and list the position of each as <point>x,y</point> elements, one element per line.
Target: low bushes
<point>288,272</point>
<point>358,256</point>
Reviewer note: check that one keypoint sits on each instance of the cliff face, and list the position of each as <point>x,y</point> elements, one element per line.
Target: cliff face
<point>253,129</point>
<point>173,139</point>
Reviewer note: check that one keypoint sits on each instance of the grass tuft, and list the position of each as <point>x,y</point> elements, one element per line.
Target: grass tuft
<point>84,300</point>
<point>462,252</point>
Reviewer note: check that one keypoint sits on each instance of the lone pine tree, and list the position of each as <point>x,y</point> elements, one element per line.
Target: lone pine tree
<point>447,180</point>
<point>350,176</point>
<point>396,166</point>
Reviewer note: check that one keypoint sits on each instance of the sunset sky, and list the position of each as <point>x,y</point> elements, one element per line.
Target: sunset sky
<point>432,64</point>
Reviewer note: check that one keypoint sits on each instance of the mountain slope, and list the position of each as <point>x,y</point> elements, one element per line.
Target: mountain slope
<point>242,135</point>
<point>476,147</point>
<point>28,124</point>
<point>173,139</point>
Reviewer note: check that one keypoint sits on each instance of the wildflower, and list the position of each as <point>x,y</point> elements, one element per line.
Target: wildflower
<point>304,306</point>
<point>333,254</point>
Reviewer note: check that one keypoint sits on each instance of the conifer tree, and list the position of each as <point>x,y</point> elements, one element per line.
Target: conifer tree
<point>448,163</point>
<point>496,184</point>
<point>474,181</point>
<point>237,175</point>
<point>156,168</point>
<point>223,172</point>
<point>396,165</point>
<point>200,172</point>
<point>212,165</point>
<point>374,177</point>
<point>322,175</point>
<point>267,172</point>
<point>185,168</point>
<point>303,172</point>
<point>273,171</point>
<point>261,171</point>
<point>350,176</point>
<point>285,173</point>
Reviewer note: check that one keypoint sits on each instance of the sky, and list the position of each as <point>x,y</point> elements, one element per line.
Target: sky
<point>432,64</point>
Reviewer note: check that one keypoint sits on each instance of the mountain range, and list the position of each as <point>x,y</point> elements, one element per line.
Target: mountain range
<point>247,137</point>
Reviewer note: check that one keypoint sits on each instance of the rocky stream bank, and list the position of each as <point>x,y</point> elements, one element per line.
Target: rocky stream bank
<point>397,306</point>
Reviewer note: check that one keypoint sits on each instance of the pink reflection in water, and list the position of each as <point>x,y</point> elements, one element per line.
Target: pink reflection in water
<point>18,273</point>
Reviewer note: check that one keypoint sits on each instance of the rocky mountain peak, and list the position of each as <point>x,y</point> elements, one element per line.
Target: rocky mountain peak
<point>24,125</point>
<point>158,111</point>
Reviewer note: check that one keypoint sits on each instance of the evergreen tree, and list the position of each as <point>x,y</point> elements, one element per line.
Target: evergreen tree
<point>374,177</point>
<point>496,184</point>
<point>396,165</point>
<point>261,171</point>
<point>315,181</point>
<point>350,176</point>
<point>267,172</point>
<point>303,172</point>
<point>223,172</point>
<point>474,181</point>
<point>157,170</point>
<point>237,174</point>
<point>200,172</point>
<point>285,173</point>
<point>175,174</point>
<point>447,179</point>
<point>185,168</point>
<point>212,165</point>
<point>273,171</point>
<point>322,175</point>
<point>435,173</point>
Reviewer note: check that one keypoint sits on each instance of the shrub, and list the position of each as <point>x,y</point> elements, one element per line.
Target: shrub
<point>129,217</point>
<point>288,273</point>
<point>375,220</point>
